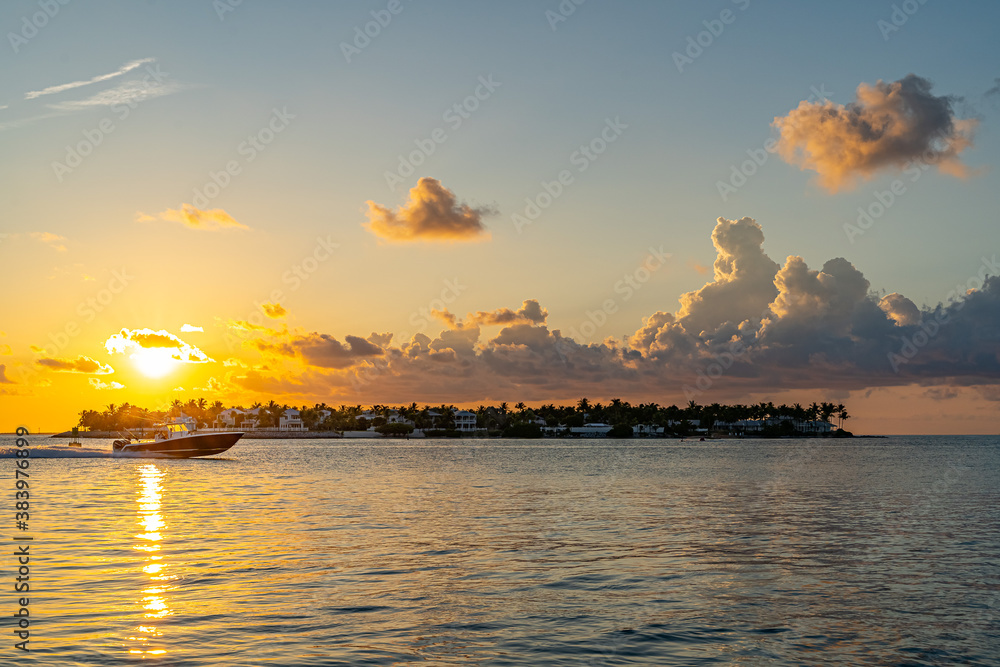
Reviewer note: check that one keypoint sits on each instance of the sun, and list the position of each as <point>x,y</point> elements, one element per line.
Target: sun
<point>154,362</point>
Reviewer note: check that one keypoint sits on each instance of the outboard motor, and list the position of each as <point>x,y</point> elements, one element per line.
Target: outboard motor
<point>117,445</point>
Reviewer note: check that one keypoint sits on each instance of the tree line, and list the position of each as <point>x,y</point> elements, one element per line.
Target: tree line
<point>494,418</point>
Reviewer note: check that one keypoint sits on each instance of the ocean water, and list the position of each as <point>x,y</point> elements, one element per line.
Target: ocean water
<point>327,552</point>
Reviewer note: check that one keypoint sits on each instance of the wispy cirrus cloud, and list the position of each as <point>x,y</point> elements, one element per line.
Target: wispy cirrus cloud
<point>63,87</point>
<point>127,92</point>
<point>52,240</point>
<point>130,87</point>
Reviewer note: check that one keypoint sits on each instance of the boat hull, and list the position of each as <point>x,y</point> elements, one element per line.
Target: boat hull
<point>191,446</point>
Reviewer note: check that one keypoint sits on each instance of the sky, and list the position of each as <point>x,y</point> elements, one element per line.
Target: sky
<point>470,202</point>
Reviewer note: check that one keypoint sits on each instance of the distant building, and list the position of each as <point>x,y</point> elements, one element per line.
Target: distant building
<point>465,420</point>
<point>291,420</point>
<point>594,430</point>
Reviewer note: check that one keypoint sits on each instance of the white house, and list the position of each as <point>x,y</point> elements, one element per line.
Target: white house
<point>234,417</point>
<point>291,420</point>
<point>465,420</point>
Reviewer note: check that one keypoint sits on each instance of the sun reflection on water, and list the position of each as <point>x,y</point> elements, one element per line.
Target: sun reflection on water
<point>151,524</point>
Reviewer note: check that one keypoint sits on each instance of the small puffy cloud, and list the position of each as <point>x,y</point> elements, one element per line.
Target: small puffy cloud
<point>190,328</point>
<point>213,386</point>
<point>888,125</point>
<point>52,240</point>
<point>129,340</point>
<point>5,350</point>
<point>432,214</point>
<point>81,364</point>
<point>274,310</point>
<point>97,383</point>
<point>3,375</point>
<point>194,218</point>
<point>902,311</point>
<point>529,312</point>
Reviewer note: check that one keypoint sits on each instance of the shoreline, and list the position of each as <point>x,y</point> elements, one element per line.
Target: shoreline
<point>371,435</point>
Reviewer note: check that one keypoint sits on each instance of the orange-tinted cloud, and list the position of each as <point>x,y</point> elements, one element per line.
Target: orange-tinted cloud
<point>81,364</point>
<point>194,218</point>
<point>756,328</point>
<point>131,340</point>
<point>888,125</point>
<point>530,312</point>
<point>432,214</point>
<point>274,310</point>
<point>100,385</point>
<point>900,309</point>
<point>744,280</point>
<point>3,375</point>
<point>52,240</point>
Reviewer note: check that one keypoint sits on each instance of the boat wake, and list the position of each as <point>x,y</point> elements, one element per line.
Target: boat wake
<point>64,452</point>
<point>59,452</point>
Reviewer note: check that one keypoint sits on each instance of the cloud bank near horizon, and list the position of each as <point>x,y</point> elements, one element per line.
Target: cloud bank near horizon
<point>887,126</point>
<point>757,326</point>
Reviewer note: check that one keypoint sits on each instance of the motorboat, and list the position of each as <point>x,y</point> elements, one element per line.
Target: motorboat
<point>178,439</point>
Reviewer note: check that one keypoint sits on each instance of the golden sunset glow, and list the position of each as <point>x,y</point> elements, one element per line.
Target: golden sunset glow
<point>154,362</point>
<point>153,597</point>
